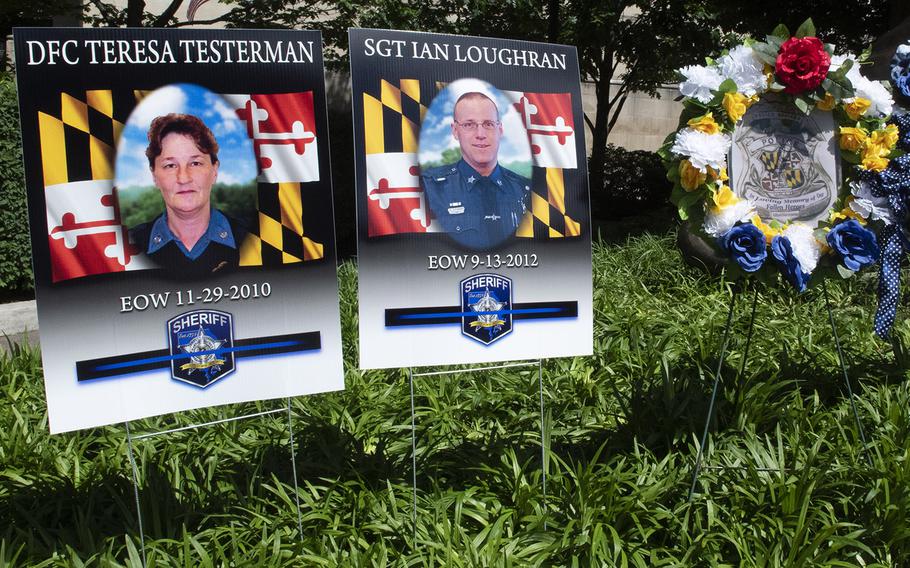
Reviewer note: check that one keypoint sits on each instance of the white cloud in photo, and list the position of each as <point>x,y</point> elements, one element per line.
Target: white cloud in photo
<point>160,102</point>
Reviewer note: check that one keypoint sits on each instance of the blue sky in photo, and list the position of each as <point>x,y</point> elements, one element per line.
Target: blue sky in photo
<point>237,161</point>
<point>436,132</point>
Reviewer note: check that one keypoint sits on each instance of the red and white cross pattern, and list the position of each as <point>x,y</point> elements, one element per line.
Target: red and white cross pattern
<point>283,130</point>
<point>85,234</point>
<point>547,117</point>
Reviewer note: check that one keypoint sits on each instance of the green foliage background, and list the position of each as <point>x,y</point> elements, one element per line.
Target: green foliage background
<point>785,480</point>
<point>141,205</point>
<point>15,244</point>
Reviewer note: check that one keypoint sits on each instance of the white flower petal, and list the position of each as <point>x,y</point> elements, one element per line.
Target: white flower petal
<point>702,149</point>
<point>745,70</point>
<point>806,248</point>
<point>699,83</point>
<point>719,222</point>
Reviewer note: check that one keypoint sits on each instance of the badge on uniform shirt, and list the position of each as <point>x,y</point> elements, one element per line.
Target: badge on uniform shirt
<point>456,210</point>
<point>200,346</point>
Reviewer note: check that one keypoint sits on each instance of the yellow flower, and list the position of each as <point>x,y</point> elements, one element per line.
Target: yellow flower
<point>689,176</point>
<point>885,139</point>
<point>767,230</point>
<point>705,123</point>
<point>826,103</point>
<point>857,107</point>
<point>769,75</point>
<point>735,105</point>
<point>846,213</point>
<point>874,162</point>
<point>852,139</point>
<point>713,174</point>
<point>724,197</point>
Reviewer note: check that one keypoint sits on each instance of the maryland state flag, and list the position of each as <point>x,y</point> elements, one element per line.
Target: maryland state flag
<point>391,120</point>
<point>395,200</point>
<point>78,138</point>
<point>283,130</point>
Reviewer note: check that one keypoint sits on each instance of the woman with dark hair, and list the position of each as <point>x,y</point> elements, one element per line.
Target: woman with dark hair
<point>190,236</point>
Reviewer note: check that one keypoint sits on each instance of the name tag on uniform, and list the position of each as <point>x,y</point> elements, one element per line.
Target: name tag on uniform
<point>456,210</point>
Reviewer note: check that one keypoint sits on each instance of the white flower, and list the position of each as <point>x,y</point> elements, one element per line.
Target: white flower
<point>699,83</point>
<point>717,222</point>
<point>806,248</point>
<point>838,60</point>
<point>745,70</point>
<point>874,91</point>
<point>882,102</point>
<point>702,149</point>
<point>869,206</point>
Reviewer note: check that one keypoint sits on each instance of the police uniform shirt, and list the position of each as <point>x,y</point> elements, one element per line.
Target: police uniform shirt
<point>477,211</point>
<point>216,249</point>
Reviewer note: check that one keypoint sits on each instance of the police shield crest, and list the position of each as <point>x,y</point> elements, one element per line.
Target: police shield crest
<point>486,306</point>
<point>201,346</point>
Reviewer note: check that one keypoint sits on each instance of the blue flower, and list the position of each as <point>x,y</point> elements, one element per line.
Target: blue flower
<point>790,267</point>
<point>855,244</point>
<point>745,243</point>
<point>900,72</point>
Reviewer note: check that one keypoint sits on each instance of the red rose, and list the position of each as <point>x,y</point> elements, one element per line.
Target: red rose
<point>802,64</point>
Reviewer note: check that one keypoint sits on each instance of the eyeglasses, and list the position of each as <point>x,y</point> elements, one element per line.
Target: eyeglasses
<point>471,126</point>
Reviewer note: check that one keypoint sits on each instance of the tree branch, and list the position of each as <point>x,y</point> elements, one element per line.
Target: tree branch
<point>217,20</point>
<point>588,122</point>
<point>168,13</point>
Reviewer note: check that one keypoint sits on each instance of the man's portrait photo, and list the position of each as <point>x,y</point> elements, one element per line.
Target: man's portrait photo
<point>475,164</point>
<point>186,197</point>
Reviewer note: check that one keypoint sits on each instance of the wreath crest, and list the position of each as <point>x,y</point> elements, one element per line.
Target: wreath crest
<point>799,72</point>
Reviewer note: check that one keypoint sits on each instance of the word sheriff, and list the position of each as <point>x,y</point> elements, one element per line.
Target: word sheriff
<point>195,319</point>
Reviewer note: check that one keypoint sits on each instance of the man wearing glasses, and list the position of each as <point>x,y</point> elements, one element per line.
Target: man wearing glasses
<point>477,201</point>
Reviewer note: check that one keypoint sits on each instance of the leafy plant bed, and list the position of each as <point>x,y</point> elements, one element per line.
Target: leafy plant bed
<point>620,429</point>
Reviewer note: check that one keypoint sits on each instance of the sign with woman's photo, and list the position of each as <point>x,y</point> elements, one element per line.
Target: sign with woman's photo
<point>474,236</point>
<point>180,209</point>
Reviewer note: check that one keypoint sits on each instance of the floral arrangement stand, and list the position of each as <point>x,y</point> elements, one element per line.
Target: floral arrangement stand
<point>788,163</point>
<point>717,375</point>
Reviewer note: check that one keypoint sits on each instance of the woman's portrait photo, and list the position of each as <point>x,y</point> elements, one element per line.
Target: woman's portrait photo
<point>186,180</point>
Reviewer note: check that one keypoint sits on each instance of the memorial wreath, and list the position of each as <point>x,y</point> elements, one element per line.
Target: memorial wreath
<point>800,73</point>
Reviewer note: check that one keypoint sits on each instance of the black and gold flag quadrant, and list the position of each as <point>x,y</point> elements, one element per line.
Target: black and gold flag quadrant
<point>393,113</point>
<point>79,132</point>
<point>280,237</point>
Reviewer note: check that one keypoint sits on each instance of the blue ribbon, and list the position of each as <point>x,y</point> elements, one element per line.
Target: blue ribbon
<point>889,279</point>
<point>894,185</point>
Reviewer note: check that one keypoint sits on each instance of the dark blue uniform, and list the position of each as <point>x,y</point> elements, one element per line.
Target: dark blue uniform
<point>477,211</point>
<point>217,250</point>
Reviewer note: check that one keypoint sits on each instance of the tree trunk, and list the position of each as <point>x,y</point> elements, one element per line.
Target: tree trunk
<point>600,131</point>
<point>134,10</point>
<point>553,24</point>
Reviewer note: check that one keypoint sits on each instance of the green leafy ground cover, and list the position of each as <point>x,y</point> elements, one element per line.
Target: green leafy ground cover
<point>621,428</point>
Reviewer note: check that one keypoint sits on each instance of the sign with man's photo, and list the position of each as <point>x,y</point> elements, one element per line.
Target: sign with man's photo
<point>474,235</point>
<point>180,207</point>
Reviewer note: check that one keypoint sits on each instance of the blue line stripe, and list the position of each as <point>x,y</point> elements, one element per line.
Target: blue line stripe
<point>164,358</point>
<point>467,314</point>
